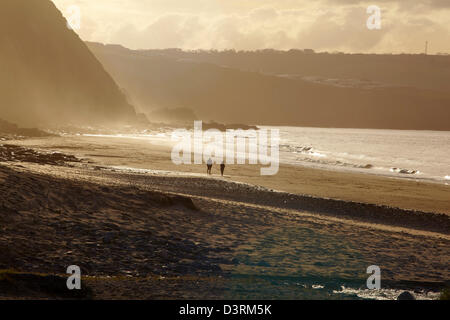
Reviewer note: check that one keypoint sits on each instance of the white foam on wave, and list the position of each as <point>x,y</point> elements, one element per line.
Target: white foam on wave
<point>385,294</point>
<point>404,171</point>
<point>156,172</point>
<point>306,150</point>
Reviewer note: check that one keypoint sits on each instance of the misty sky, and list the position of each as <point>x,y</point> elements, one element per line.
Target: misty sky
<point>323,25</point>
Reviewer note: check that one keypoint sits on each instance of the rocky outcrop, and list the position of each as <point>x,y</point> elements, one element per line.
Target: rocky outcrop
<point>10,129</point>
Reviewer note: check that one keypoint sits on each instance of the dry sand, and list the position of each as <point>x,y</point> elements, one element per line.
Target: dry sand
<point>137,235</point>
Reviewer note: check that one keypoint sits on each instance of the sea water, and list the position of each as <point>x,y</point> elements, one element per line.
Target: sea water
<point>400,153</point>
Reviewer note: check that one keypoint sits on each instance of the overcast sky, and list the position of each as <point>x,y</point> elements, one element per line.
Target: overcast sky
<point>323,25</point>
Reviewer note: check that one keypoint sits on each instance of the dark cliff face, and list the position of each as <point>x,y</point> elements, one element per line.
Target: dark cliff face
<point>48,75</point>
<point>228,93</point>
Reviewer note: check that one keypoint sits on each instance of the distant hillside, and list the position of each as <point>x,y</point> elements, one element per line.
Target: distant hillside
<point>232,95</point>
<point>48,75</point>
<point>416,70</point>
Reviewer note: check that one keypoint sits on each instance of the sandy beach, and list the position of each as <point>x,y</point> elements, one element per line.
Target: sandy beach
<point>142,228</point>
<point>319,133</point>
<point>348,186</point>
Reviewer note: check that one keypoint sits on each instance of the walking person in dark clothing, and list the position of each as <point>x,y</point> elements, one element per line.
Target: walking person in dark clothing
<point>222,168</point>
<point>209,165</point>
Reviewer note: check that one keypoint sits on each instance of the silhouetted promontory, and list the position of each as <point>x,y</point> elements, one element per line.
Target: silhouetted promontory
<point>48,75</point>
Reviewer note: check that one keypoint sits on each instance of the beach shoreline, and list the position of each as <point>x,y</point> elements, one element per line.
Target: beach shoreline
<point>143,234</point>
<point>400,192</point>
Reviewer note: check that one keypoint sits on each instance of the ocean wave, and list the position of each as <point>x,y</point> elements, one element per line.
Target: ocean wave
<point>318,157</point>
<point>337,163</point>
<point>404,171</point>
<point>307,150</point>
<point>385,294</point>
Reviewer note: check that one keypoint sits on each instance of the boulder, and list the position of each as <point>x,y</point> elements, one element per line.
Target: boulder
<point>405,295</point>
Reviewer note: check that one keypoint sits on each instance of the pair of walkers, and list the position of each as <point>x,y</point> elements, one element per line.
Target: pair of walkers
<point>209,165</point>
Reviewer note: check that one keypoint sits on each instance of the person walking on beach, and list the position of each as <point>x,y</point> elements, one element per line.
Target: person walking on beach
<point>222,168</point>
<point>209,164</point>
